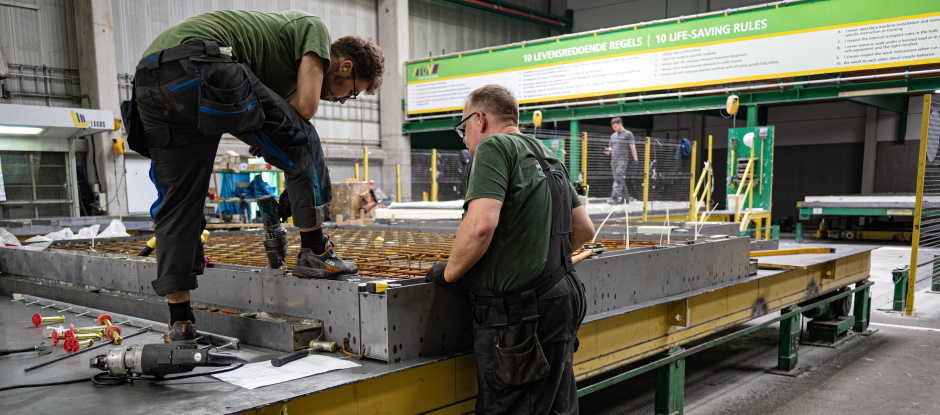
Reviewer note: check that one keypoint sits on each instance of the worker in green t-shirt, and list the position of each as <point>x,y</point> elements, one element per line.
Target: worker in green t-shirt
<point>513,250</point>
<point>257,76</point>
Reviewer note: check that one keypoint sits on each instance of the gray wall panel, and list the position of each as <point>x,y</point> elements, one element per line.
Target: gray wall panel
<point>437,27</point>
<point>58,23</point>
<point>27,41</point>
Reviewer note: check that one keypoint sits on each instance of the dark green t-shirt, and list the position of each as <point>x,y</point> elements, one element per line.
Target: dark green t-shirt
<point>271,44</point>
<point>503,168</point>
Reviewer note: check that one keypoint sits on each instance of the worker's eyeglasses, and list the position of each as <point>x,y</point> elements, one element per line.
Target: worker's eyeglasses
<point>459,127</point>
<point>355,90</point>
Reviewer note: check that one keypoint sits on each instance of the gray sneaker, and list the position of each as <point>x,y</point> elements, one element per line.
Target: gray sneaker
<point>181,332</point>
<point>325,265</point>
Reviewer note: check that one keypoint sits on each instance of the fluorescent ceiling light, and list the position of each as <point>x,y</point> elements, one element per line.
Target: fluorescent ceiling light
<point>7,129</point>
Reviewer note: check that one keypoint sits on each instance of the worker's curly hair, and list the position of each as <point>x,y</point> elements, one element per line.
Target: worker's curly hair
<point>496,101</point>
<point>366,57</point>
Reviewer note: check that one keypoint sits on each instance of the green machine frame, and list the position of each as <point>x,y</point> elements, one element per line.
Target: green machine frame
<point>762,170</point>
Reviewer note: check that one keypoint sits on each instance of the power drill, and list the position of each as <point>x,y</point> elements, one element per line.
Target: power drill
<point>275,237</point>
<point>158,359</point>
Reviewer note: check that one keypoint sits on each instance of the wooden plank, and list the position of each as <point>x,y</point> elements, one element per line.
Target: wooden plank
<point>776,252</point>
<point>785,267</point>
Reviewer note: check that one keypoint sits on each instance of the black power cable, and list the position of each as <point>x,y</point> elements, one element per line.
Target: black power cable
<point>103,379</point>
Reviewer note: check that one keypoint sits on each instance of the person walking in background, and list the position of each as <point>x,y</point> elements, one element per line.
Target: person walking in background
<point>620,141</point>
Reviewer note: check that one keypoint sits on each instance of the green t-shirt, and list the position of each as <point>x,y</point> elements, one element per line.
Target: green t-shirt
<point>271,44</point>
<point>504,169</point>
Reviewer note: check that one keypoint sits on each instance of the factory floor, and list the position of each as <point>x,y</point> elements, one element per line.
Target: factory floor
<point>891,371</point>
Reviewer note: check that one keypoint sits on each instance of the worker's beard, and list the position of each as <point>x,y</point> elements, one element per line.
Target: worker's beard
<point>330,79</point>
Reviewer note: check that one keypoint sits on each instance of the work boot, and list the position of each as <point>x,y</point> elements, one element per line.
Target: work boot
<point>181,332</point>
<point>325,265</point>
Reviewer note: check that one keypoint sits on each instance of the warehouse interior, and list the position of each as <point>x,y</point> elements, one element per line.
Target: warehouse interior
<point>770,247</point>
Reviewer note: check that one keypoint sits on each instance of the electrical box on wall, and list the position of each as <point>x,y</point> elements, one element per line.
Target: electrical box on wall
<point>750,183</point>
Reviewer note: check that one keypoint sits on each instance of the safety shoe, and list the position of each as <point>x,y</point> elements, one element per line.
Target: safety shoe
<point>325,265</point>
<point>181,332</point>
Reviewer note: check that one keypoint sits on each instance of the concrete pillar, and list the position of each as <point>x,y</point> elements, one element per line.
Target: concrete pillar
<point>869,157</point>
<point>97,65</point>
<point>393,38</point>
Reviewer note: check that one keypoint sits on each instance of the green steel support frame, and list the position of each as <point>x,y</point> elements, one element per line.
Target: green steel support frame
<point>935,277</point>
<point>862,310</point>
<point>670,368</point>
<point>789,341</point>
<point>670,385</point>
<point>694,103</point>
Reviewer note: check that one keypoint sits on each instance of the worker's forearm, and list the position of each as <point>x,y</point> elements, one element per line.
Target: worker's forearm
<point>469,247</point>
<point>633,148</point>
<point>306,110</point>
<point>582,229</point>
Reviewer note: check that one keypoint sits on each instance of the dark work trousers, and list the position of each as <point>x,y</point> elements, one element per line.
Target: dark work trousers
<point>524,340</point>
<point>561,310</point>
<point>187,97</point>
<point>619,169</point>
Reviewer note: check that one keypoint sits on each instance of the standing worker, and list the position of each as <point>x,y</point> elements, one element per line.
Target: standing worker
<point>617,150</point>
<point>514,249</point>
<point>260,77</point>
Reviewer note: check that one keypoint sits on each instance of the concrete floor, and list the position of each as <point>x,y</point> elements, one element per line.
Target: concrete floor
<point>891,372</point>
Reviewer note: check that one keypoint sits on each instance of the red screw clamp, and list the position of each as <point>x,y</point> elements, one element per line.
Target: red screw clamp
<point>72,345</point>
<point>113,332</point>
<point>38,320</point>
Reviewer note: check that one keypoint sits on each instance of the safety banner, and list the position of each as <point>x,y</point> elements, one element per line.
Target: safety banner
<point>776,42</point>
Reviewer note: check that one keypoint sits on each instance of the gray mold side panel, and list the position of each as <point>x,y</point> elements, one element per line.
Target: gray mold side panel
<point>231,288</point>
<point>334,302</point>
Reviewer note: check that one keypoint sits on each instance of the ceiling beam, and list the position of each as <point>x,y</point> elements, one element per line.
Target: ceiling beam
<point>561,24</point>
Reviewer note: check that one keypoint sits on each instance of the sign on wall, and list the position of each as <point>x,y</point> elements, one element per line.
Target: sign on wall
<point>799,39</point>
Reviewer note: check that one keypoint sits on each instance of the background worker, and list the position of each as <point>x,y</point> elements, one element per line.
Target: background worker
<point>620,140</point>
<point>260,77</point>
<point>513,248</point>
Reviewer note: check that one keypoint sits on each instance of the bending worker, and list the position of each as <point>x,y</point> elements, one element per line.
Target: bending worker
<point>260,77</point>
<point>513,249</point>
<point>620,140</point>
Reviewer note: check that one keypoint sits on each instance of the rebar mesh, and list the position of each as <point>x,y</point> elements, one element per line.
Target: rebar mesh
<point>379,254</point>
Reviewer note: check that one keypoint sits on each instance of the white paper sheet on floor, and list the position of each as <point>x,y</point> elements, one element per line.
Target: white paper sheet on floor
<point>256,375</point>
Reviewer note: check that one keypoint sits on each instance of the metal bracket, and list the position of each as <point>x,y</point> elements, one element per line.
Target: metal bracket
<point>829,270</point>
<point>679,313</point>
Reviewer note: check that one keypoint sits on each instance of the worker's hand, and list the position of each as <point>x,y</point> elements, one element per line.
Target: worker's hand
<point>607,150</point>
<point>254,151</point>
<point>284,205</point>
<point>436,274</point>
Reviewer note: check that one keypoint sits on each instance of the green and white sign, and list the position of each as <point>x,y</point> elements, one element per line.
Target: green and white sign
<point>799,39</point>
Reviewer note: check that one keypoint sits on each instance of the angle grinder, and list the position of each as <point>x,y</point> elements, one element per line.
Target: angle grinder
<point>158,359</point>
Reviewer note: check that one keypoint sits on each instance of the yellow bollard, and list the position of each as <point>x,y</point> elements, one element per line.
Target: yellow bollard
<point>365,164</point>
<point>646,180</point>
<point>434,175</point>
<point>398,180</point>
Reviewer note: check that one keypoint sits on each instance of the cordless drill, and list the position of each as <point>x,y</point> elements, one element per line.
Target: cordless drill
<point>275,237</point>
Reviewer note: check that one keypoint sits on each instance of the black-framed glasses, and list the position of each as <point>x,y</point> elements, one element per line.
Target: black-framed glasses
<point>459,127</point>
<point>355,90</point>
